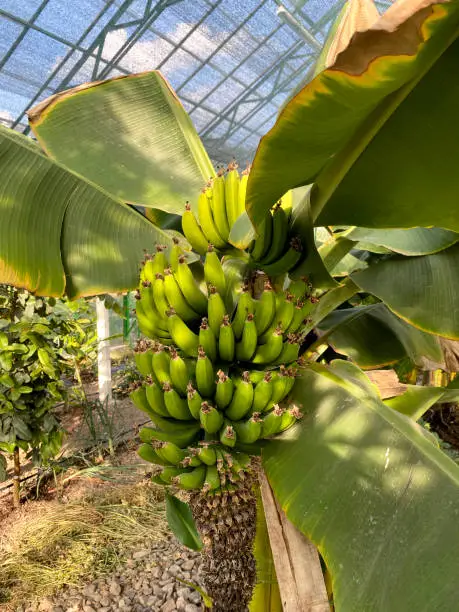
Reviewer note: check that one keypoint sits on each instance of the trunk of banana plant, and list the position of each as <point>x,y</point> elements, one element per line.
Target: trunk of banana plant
<point>16,478</point>
<point>227,525</point>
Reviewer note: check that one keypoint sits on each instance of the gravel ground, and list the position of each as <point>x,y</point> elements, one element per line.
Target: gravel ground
<point>146,581</point>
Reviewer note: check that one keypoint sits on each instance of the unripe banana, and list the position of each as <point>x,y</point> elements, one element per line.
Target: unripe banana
<point>242,399</point>
<point>160,363</point>
<point>159,295</point>
<point>297,319</point>
<point>265,309</point>
<point>279,237</point>
<point>207,340</point>
<point>176,406</point>
<point>191,480</point>
<point>186,340</point>
<point>176,253</point>
<point>290,417</point>
<point>191,461</point>
<point>242,191</point>
<point>194,401</point>
<point>155,398</point>
<point>216,310</point>
<point>224,391</point>
<point>176,298</point>
<point>227,434</point>
<point>148,305</point>
<point>269,352</point>
<point>193,232</point>
<point>287,262</point>
<point>155,264</point>
<point>207,454</point>
<point>205,375</point>
<point>245,305</point>
<point>264,238</point>
<point>207,222</point>
<point>262,393</point>
<point>148,453</point>
<point>212,480</point>
<point>170,452</point>
<point>272,422</point>
<point>184,434</point>
<point>232,193</point>
<point>247,346</point>
<point>139,397</point>
<point>219,205</point>
<point>213,271</point>
<point>299,288</point>
<point>285,311</point>
<point>290,350</point>
<point>249,431</point>
<point>168,474</point>
<point>178,372</point>
<point>189,287</point>
<point>211,419</point>
<point>283,382</point>
<point>146,326</point>
<point>143,362</point>
<point>226,340</point>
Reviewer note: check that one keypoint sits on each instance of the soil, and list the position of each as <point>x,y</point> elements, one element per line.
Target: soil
<point>444,421</point>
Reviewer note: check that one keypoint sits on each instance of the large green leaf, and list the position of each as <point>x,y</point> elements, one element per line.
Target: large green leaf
<point>372,336</point>
<point>378,499</point>
<point>130,135</point>
<point>376,131</point>
<point>181,522</point>
<point>414,241</point>
<point>60,233</point>
<point>422,290</point>
<point>417,400</point>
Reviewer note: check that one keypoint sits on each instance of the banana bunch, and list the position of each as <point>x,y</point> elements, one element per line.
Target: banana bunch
<point>220,203</point>
<point>275,250</point>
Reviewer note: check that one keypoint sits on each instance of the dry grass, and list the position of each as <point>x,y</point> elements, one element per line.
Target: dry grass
<point>64,544</point>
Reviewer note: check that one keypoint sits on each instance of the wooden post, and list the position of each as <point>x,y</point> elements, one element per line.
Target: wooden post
<point>299,573</point>
<point>104,370</point>
<point>16,478</point>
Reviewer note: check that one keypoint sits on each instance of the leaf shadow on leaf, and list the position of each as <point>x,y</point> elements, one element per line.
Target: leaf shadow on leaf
<point>364,485</point>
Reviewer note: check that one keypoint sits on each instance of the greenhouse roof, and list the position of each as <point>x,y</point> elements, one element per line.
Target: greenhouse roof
<point>232,63</point>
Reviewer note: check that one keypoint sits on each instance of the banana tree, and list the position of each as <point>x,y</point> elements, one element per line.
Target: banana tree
<point>366,150</point>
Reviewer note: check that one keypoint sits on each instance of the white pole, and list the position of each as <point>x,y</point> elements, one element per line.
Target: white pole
<point>104,369</point>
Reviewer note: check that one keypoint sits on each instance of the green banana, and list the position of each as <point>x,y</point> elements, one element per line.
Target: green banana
<point>224,390</point>
<point>249,431</point>
<point>191,480</point>
<point>149,327</point>
<point>176,253</point>
<point>178,372</point>
<point>262,393</point>
<point>207,454</point>
<point>193,232</point>
<point>265,309</point>
<point>219,205</point>
<point>297,319</point>
<point>242,399</point>
<point>207,222</point>
<point>231,193</point>
<point>287,262</point>
<point>247,346</point>
<point>269,352</point>
<point>176,298</point>
<point>299,288</point>
<point>160,363</point>
<point>290,350</point>
<point>279,237</point>
<point>159,295</point>
<point>191,461</point>
<point>244,306</point>
<point>213,271</point>
<point>272,422</point>
<point>285,311</point>
<point>227,434</point>
<point>155,264</point>
<point>264,238</point>
<point>186,340</point>
<point>194,401</point>
<point>148,453</point>
<point>176,406</point>
<point>143,362</point>
<point>212,479</point>
<point>211,419</point>
<point>205,376</point>
<point>241,192</point>
<point>168,474</point>
<point>290,417</point>
<point>226,340</point>
<point>182,437</point>
<point>170,452</point>
<point>207,340</point>
<point>283,382</point>
<point>155,398</point>
<point>189,287</point>
<point>216,310</point>
<point>139,397</point>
